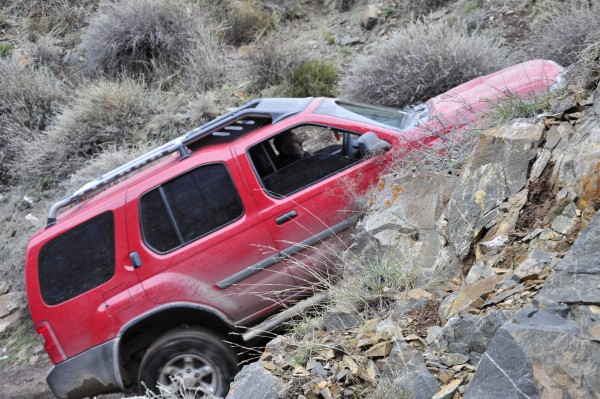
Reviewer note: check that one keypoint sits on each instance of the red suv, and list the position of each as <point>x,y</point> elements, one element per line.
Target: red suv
<point>142,283</point>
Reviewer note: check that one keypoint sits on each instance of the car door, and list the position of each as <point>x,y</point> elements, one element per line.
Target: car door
<point>308,206</point>
<point>199,238</point>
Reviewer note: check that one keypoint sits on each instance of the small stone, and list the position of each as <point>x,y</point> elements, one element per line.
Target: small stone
<point>447,392</point>
<point>350,41</point>
<point>370,17</point>
<point>379,350</point>
<point>455,359</point>
<point>268,365</point>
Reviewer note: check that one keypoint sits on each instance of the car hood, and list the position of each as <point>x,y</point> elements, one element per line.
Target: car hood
<point>475,96</point>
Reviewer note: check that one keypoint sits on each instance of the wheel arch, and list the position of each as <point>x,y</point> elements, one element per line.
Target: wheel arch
<point>138,334</point>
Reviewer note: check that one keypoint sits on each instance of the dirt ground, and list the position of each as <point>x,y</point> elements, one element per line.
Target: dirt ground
<point>29,381</point>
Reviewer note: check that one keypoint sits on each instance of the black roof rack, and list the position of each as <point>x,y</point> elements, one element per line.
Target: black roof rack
<point>276,109</point>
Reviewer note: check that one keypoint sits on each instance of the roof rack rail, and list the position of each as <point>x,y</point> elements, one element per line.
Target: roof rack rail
<point>276,109</point>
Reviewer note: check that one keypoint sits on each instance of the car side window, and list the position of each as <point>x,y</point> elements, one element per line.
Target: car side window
<point>78,260</point>
<point>299,157</point>
<point>189,207</point>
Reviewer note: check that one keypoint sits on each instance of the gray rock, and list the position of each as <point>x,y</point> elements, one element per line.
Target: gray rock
<point>453,359</point>
<point>576,279</point>
<point>350,41</point>
<point>495,170</point>
<point>478,271</point>
<point>407,368</point>
<point>335,320</point>
<point>565,222</point>
<point>255,382</point>
<point>370,17</point>
<point>539,355</point>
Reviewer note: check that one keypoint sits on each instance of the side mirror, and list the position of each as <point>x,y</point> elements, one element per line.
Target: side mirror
<point>369,145</point>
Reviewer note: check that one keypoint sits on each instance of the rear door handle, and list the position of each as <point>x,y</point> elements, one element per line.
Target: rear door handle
<point>286,216</point>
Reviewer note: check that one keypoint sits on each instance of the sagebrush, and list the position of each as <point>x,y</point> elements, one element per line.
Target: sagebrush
<point>102,114</point>
<point>421,61</point>
<point>29,100</point>
<point>566,29</point>
<point>156,39</point>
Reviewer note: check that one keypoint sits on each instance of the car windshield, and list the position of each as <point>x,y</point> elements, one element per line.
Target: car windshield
<point>390,118</point>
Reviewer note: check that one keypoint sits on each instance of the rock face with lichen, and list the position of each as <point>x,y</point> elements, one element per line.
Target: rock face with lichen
<point>506,297</point>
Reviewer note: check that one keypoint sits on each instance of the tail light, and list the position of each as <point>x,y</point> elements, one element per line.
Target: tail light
<point>51,344</point>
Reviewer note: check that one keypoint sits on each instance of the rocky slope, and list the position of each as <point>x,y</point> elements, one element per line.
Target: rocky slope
<point>506,302</point>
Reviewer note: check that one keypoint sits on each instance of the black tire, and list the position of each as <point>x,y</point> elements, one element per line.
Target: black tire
<point>197,357</point>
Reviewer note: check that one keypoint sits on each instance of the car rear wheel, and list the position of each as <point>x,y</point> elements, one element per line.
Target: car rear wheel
<point>189,363</point>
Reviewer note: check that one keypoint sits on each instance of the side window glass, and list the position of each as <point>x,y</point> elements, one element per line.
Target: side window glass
<point>302,156</point>
<point>78,260</point>
<point>189,207</point>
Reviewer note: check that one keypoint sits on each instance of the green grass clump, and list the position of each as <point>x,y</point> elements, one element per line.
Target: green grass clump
<point>313,78</point>
<point>5,49</point>
<point>511,106</point>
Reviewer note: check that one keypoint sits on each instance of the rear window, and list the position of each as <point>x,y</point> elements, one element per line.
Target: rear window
<point>189,207</point>
<point>78,260</point>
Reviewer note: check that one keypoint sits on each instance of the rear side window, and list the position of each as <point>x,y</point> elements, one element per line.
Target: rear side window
<point>189,207</point>
<point>78,260</point>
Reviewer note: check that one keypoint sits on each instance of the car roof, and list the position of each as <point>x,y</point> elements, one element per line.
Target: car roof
<point>224,129</point>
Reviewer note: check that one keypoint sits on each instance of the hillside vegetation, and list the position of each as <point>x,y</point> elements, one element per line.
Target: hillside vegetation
<point>87,85</point>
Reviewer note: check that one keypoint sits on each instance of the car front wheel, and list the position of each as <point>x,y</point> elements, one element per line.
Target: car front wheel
<point>188,363</point>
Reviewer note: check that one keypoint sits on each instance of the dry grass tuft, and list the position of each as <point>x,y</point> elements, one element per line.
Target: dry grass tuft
<point>242,21</point>
<point>103,114</point>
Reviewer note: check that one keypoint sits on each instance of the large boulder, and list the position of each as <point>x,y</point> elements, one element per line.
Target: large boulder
<point>538,355</point>
<point>497,169</point>
<point>403,222</point>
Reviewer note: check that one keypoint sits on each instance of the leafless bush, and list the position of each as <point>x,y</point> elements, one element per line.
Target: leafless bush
<point>272,63</point>
<point>420,61</point>
<point>104,113</point>
<point>29,99</point>
<point>157,39</point>
<point>565,29</point>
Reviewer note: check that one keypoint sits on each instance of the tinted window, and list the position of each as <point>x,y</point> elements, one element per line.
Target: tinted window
<point>78,260</point>
<point>189,206</point>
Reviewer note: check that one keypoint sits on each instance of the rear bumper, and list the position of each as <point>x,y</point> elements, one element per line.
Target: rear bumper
<point>90,373</point>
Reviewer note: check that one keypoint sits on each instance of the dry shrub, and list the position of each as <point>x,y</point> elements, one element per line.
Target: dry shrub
<point>584,73</point>
<point>158,39</point>
<point>103,114</point>
<point>29,99</point>
<point>565,29</point>
<point>242,20</point>
<point>57,17</point>
<point>272,63</point>
<point>421,61</point>
<point>110,159</point>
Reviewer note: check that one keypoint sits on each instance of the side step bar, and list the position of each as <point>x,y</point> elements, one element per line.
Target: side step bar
<point>287,314</point>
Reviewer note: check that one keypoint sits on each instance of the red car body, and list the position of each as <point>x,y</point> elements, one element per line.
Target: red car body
<point>98,325</point>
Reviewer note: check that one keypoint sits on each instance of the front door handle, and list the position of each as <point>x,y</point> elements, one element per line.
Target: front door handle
<point>286,216</point>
